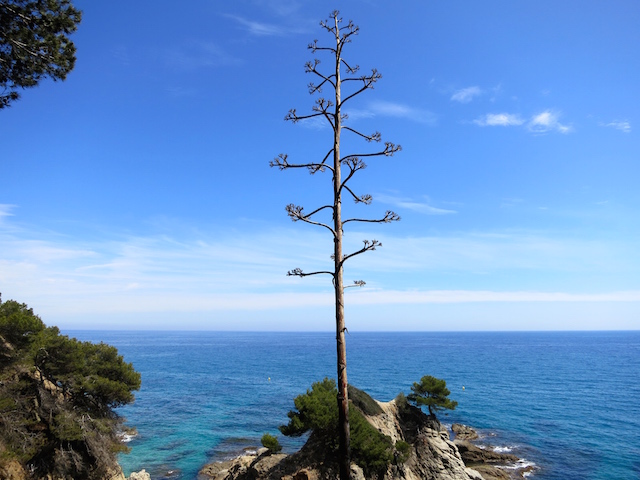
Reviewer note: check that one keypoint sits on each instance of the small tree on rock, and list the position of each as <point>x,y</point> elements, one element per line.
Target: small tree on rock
<point>433,393</point>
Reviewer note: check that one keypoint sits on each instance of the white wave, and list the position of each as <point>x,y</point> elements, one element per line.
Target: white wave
<point>521,464</point>
<point>126,437</point>
<point>506,449</point>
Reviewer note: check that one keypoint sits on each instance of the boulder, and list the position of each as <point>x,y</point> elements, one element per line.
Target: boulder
<point>463,432</point>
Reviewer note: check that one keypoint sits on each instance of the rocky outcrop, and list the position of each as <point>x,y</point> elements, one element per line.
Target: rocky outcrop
<point>432,455</point>
<point>463,432</point>
<point>489,463</point>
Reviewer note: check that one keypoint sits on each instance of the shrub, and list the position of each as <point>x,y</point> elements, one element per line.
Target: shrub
<point>370,449</point>
<point>403,450</point>
<point>364,402</point>
<point>271,442</point>
<point>317,411</point>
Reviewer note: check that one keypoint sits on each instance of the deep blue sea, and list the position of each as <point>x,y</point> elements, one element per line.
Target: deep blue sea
<point>568,402</point>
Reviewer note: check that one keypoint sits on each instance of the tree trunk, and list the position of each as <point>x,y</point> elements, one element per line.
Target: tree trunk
<point>343,395</point>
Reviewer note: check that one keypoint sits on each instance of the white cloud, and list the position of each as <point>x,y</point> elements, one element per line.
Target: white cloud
<point>259,28</point>
<point>547,121</point>
<point>392,109</point>
<point>499,119</point>
<point>465,95</point>
<point>245,271</point>
<point>373,297</point>
<point>623,126</point>
<point>543,122</point>
<point>5,210</point>
<point>416,206</point>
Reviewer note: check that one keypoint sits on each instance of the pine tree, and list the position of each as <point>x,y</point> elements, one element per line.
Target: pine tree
<point>34,43</point>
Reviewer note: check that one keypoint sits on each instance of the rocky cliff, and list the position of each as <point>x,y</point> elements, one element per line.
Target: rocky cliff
<point>432,456</point>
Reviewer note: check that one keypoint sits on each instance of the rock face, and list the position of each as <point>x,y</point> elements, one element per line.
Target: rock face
<point>432,457</point>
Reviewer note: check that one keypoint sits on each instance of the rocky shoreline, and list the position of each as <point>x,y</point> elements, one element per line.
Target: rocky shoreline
<point>434,455</point>
<point>492,465</point>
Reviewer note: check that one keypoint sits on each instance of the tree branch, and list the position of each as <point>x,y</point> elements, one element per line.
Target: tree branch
<point>295,118</point>
<point>374,137</point>
<point>281,162</point>
<point>389,217</point>
<point>297,272</point>
<point>367,81</point>
<point>356,283</point>
<point>389,150</point>
<point>295,212</point>
<point>368,245</point>
<point>366,199</point>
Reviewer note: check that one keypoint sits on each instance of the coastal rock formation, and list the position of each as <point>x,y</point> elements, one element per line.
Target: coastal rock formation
<point>488,462</point>
<point>463,432</point>
<point>432,456</point>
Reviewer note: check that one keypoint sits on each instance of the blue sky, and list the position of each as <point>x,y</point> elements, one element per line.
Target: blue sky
<point>137,193</point>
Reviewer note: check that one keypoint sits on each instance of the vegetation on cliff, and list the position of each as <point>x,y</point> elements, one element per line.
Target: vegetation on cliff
<point>317,412</point>
<point>57,396</point>
<point>433,393</point>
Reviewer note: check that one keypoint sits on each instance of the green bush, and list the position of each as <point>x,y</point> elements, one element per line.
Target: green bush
<point>66,428</point>
<point>271,442</point>
<point>364,402</point>
<point>18,324</point>
<point>370,449</point>
<point>403,450</point>
<point>317,411</point>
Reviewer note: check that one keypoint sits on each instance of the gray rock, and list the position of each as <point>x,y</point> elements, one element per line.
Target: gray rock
<point>463,432</point>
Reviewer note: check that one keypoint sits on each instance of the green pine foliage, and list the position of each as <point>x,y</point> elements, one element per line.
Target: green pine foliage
<point>57,396</point>
<point>270,442</point>
<point>433,393</point>
<point>317,412</point>
<point>34,43</point>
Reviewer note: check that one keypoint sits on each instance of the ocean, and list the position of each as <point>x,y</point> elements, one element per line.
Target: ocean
<point>566,402</point>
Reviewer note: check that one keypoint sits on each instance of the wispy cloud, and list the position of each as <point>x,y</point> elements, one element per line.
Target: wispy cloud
<point>466,95</point>
<point>5,212</point>
<point>196,54</point>
<point>541,123</point>
<point>547,121</point>
<point>623,126</point>
<point>499,119</point>
<point>5,209</point>
<point>393,109</point>
<point>413,205</point>
<point>373,297</point>
<point>259,28</point>
<point>198,274</point>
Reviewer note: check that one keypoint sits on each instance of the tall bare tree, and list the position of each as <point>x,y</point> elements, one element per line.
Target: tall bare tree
<point>343,168</point>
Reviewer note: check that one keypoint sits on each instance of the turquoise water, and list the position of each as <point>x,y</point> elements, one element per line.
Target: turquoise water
<point>568,402</point>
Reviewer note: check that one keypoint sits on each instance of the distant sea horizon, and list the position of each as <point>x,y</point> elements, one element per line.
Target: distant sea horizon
<point>566,401</point>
